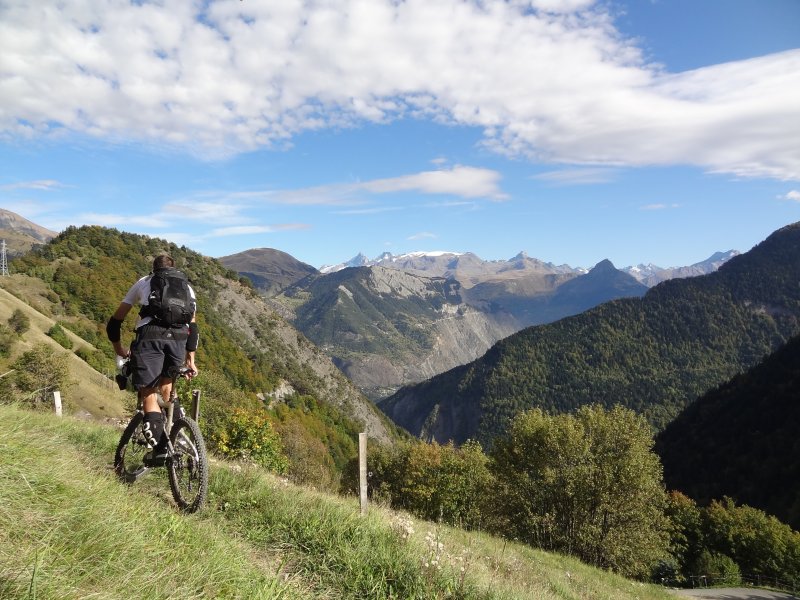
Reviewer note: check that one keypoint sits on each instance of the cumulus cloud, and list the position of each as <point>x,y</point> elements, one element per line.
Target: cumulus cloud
<point>467,182</point>
<point>461,181</point>
<point>793,195</point>
<point>551,81</point>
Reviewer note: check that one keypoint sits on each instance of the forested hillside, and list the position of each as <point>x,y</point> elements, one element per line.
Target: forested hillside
<point>741,440</point>
<point>654,355</point>
<point>246,349</point>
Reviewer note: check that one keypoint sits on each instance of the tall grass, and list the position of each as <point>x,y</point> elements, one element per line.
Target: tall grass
<point>68,530</point>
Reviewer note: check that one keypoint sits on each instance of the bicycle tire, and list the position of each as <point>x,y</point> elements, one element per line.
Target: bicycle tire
<point>188,466</point>
<point>128,458</point>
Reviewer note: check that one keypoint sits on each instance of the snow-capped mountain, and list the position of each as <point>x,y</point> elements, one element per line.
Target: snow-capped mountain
<point>470,269</point>
<point>414,260</point>
<point>652,275</point>
<point>464,266</point>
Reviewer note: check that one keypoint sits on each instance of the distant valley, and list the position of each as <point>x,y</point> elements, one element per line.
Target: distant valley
<point>396,320</point>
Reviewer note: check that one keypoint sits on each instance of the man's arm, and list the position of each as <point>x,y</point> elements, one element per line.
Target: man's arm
<point>191,344</point>
<point>113,328</point>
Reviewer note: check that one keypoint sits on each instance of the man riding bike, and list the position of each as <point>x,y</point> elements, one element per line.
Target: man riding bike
<point>166,336</point>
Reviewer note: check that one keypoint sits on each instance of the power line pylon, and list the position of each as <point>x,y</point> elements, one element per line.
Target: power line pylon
<point>3,261</point>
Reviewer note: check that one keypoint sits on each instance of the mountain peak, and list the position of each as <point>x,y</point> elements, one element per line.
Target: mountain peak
<point>604,265</point>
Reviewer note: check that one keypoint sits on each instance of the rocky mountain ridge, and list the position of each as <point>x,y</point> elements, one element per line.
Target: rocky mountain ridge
<point>386,327</point>
<point>21,234</point>
<point>397,347</point>
<point>653,354</point>
<point>470,269</point>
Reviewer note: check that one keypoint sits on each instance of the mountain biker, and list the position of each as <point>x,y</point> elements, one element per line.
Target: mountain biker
<point>158,345</point>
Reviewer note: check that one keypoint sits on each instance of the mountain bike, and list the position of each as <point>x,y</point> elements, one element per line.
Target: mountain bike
<point>187,460</point>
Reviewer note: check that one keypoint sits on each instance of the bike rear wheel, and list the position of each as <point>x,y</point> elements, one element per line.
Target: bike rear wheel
<point>128,459</point>
<point>188,466</point>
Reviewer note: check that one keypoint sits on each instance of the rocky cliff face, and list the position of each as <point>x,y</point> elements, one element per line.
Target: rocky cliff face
<point>398,320</point>
<point>459,335</point>
<point>385,328</point>
<point>331,384</point>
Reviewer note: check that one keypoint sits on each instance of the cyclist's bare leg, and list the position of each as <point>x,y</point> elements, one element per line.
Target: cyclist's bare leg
<point>149,395</point>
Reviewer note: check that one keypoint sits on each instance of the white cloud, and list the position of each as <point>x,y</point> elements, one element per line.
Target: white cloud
<point>422,236</point>
<point>793,195</point>
<point>121,221</point>
<point>579,176</point>
<point>553,81</point>
<point>39,184</point>
<point>217,212</point>
<point>241,230</point>
<point>466,182</point>
<point>460,181</point>
<point>659,206</point>
<point>375,210</point>
<point>255,229</point>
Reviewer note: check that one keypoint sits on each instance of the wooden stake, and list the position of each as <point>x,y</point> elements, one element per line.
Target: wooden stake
<point>57,403</point>
<point>362,471</point>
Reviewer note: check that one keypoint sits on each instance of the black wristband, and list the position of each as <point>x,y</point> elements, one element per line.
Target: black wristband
<point>194,337</point>
<point>113,329</point>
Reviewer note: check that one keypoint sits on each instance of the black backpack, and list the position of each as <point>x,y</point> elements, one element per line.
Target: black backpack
<point>170,302</point>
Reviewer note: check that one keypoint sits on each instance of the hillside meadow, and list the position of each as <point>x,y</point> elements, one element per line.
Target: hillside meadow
<point>69,529</point>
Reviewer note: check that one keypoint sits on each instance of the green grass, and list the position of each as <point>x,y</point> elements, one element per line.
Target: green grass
<point>69,529</point>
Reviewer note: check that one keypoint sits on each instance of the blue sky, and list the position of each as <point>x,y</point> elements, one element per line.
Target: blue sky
<point>644,132</point>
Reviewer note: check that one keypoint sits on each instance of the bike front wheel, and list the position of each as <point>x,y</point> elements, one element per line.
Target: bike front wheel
<point>128,459</point>
<point>188,466</point>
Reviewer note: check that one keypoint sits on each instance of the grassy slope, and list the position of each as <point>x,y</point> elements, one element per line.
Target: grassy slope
<point>68,530</point>
<point>91,391</point>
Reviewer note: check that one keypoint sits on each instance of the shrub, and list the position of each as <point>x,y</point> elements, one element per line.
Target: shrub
<point>97,359</point>
<point>718,568</point>
<point>59,335</point>
<point>7,340</point>
<point>39,372</point>
<point>250,436</point>
<point>19,322</point>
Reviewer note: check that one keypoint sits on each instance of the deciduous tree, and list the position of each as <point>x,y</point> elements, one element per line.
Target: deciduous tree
<point>586,484</point>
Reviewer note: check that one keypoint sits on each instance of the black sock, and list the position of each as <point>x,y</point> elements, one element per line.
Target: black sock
<point>154,430</point>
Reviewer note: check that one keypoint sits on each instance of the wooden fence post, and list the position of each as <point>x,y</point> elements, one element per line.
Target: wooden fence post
<point>196,405</point>
<point>362,471</point>
<point>57,402</point>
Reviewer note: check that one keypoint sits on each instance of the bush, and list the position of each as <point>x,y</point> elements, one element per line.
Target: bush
<point>97,359</point>
<point>308,460</point>
<point>39,372</point>
<point>250,436</point>
<point>431,481</point>
<point>718,568</point>
<point>19,322</point>
<point>7,340</point>
<point>8,392</point>
<point>59,335</point>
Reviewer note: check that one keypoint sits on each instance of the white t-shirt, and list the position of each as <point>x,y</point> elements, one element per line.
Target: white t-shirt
<point>139,293</point>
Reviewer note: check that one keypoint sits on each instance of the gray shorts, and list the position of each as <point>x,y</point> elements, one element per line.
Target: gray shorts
<point>154,351</point>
